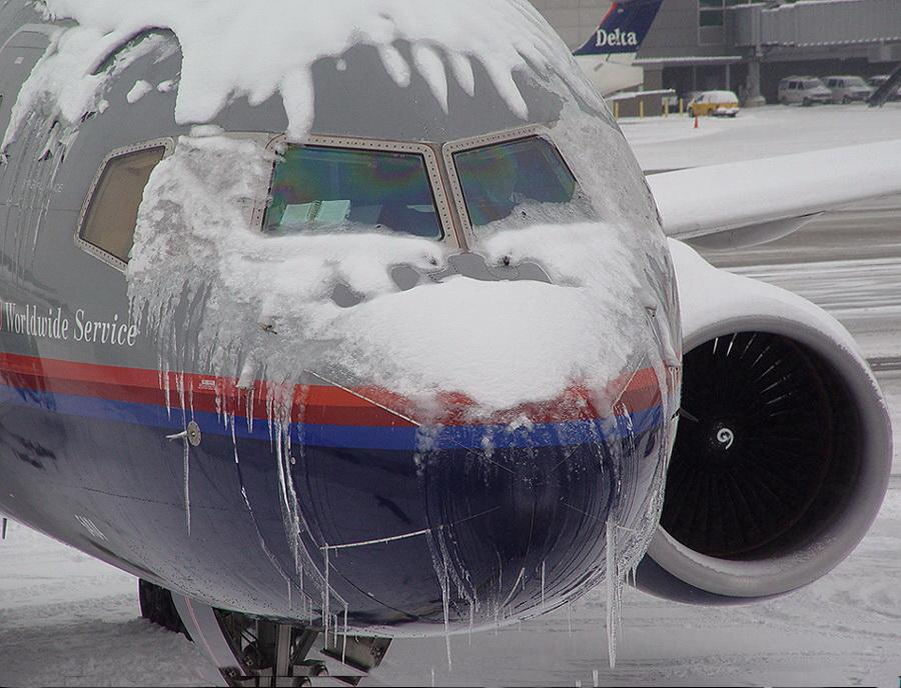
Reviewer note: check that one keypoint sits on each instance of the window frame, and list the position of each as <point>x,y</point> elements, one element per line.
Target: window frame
<point>432,169</point>
<point>168,146</point>
<point>448,150</point>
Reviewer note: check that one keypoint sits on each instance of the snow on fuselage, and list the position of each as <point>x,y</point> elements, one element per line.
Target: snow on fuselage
<point>416,354</point>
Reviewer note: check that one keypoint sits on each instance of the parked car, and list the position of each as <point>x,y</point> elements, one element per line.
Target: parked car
<point>878,80</point>
<point>715,103</point>
<point>805,90</point>
<point>689,96</point>
<point>848,89</point>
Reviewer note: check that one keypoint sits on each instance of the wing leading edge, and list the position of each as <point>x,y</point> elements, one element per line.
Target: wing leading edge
<point>748,203</point>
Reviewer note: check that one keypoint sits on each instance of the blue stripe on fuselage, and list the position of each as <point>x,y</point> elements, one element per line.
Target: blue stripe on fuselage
<point>401,437</point>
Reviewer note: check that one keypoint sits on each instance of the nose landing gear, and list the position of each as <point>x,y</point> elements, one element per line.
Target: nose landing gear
<point>258,653</point>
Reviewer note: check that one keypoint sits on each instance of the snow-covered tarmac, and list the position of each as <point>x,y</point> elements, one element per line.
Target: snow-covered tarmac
<point>66,619</point>
<point>666,143</point>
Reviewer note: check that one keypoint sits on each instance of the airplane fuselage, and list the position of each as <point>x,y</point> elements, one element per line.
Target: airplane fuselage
<point>330,496</point>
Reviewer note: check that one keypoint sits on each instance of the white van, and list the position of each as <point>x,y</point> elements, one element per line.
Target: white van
<point>805,90</point>
<point>848,89</point>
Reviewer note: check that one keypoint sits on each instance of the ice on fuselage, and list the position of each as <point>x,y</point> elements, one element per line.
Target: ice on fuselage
<point>268,47</point>
<point>194,239</point>
<point>573,330</point>
<point>69,81</point>
<point>138,91</point>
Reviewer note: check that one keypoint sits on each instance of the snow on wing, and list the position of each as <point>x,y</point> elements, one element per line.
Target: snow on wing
<point>747,203</point>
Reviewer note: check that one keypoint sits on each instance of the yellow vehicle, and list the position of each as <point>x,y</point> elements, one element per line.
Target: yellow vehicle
<point>715,103</point>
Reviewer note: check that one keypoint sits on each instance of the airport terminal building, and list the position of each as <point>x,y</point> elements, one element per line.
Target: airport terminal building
<point>749,47</point>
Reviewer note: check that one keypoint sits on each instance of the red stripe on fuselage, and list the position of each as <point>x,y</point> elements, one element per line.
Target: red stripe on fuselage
<point>315,404</point>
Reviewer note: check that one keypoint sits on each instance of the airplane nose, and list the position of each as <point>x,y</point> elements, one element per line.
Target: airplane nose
<point>519,526</point>
<point>468,524</point>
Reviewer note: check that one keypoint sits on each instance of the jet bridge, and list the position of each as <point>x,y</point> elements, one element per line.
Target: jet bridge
<point>812,31</point>
<point>812,25</point>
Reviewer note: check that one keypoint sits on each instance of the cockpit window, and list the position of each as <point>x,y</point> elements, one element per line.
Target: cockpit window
<point>108,226</point>
<point>496,179</point>
<point>321,189</point>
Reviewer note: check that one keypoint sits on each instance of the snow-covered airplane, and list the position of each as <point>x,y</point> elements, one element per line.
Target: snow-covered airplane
<point>340,324</point>
<point>608,55</point>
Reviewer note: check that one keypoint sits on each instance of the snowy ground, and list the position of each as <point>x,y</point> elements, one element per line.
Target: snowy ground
<point>68,620</point>
<point>666,143</point>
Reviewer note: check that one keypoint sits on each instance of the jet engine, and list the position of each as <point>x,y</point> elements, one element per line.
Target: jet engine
<point>784,446</point>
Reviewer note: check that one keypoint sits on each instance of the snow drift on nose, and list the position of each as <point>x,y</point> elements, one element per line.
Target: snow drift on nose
<point>500,343</point>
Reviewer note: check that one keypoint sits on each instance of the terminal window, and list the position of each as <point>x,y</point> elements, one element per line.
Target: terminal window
<point>713,12</point>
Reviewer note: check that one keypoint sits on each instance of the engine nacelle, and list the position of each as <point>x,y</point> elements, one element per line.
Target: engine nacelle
<point>784,447</point>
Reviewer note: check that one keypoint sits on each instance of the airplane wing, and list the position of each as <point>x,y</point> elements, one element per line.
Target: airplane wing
<point>882,94</point>
<point>748,203</point>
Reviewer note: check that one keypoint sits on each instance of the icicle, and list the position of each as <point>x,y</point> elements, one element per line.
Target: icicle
<point>167,386</point>
<point>326,594</point>
<point>344,643</point>
<point>433,677</point>
<point>302,591</point>
<point>291,516</point>
<point>180,383</point>
<point>612,593</point>
<point>187,486</point>
<point>251,395</point>
<point>569,618</point>
<point>542,583</point>
<point>445,595</point>
<point>595,678</point>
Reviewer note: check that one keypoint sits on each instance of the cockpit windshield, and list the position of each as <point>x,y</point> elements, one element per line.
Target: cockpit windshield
<point>498,178</point>
<point>319,189</point>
